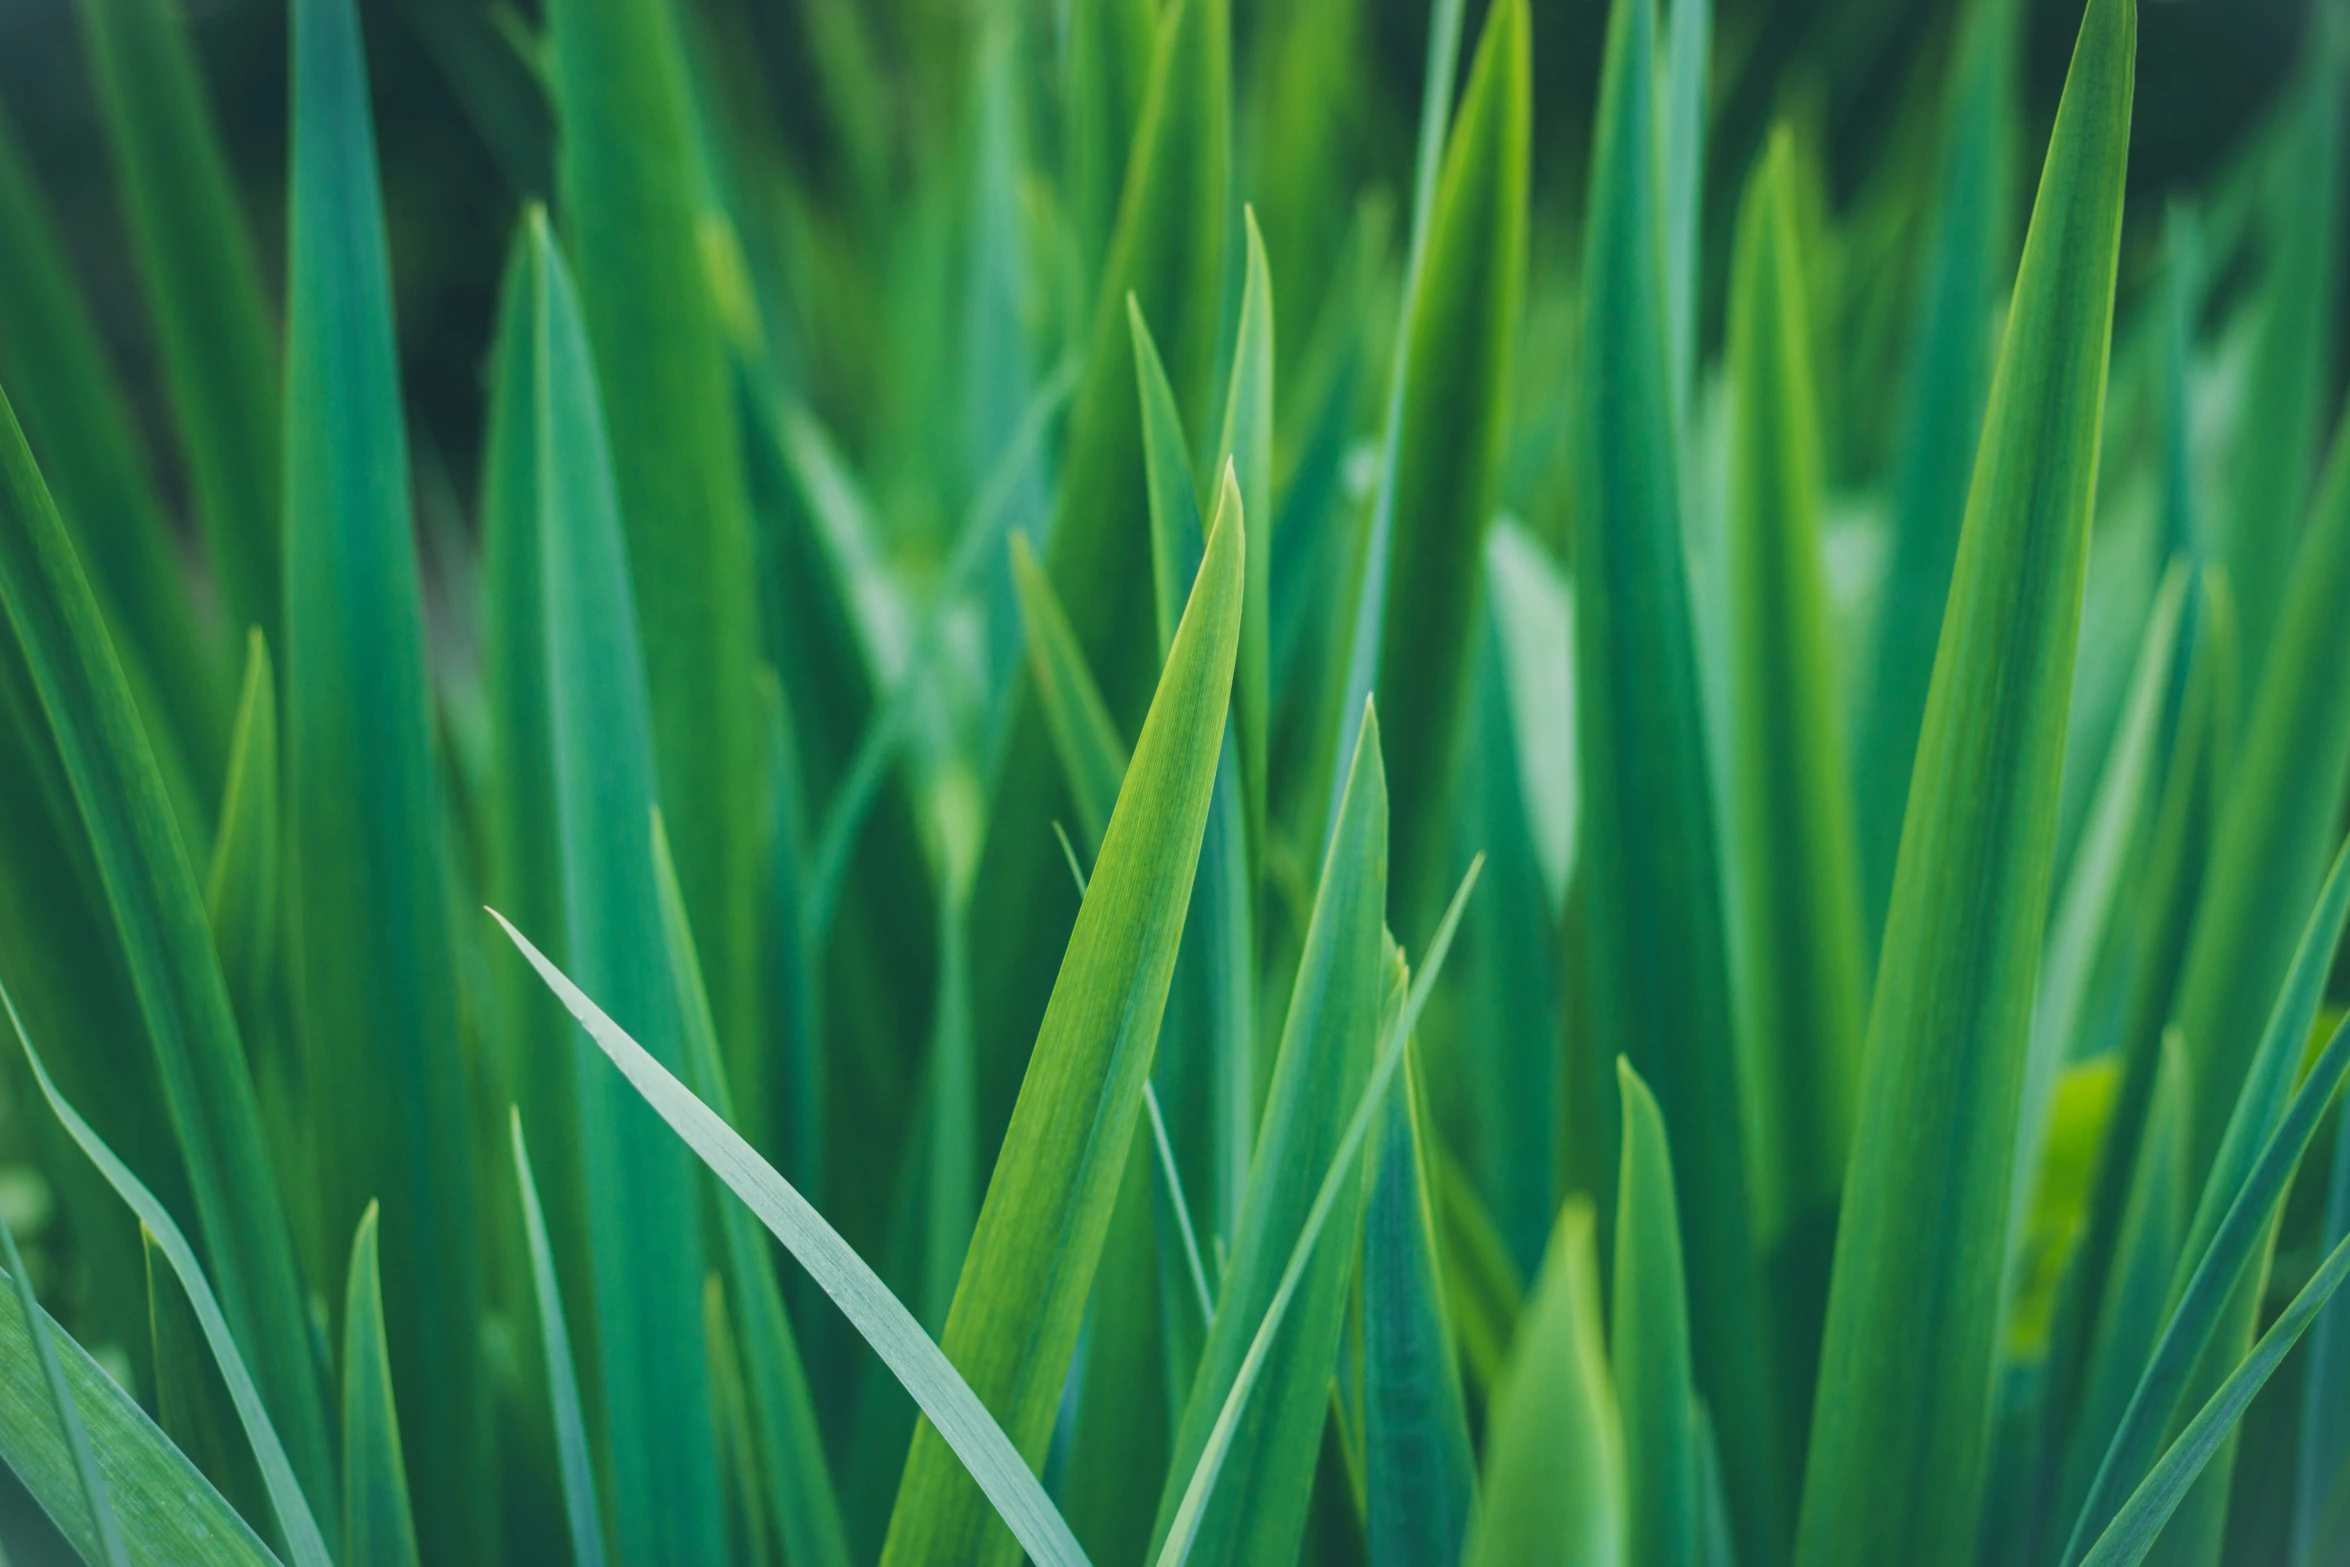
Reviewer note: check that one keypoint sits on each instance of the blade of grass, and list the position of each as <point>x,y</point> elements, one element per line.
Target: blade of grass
<point>1017,1310</point>
<point>202,281</point>
<point>1247,445</point>
<point>1093,756</point>
<point>169,1514</point>
<point>1688,35</point>
<point>2325,1396</point>
<point>1900,1451</point>
<point>65,1412</point>
<point>1655,953</point>
<point>1554,1457</point>
<point>1343,1170</point>
<point>375,962</point>
<point>877,1314</point>
<point>192,1402</point>
<point>1325,1057</point>
<point>307,1545</point>
<point>571,1440</point>
<point>1960,289</point>
<point>151,894</point>
<point>1649,1361</point>
<point>378,1529</point>
<point>792,1467</point>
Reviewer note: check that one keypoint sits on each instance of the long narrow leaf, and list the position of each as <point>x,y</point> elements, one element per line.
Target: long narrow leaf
<point>72,1434</point>
<point>1650,1355</point>
<point>378,1529</point>
<point>571,1440</point>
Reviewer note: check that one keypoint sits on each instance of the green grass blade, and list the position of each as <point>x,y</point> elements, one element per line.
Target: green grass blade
<point>571,1439</point>
<point>375,964</point>
<point>1093,756</point>
<point>202,280</point>
<point>1554,1493</point>
<point>1143,1337</point>
<point>151,893</point>
<point>1247,445</point>
<point>1688,35</point>
<point>2135,1529</point>
<point>378,1528</point>
<point>1949,377</point>
<point>242,887</point>
<point>877,1314</point>
<point>1656,1398</point>
<point>83,429</point>
<point>169,1513</point>
<point>633,217</point>
<point>2278,821</point>
<point>65,1414</point>
<point>2211,1308</point>
<point>1655,943</point>
<point>792,1467</point>
<point>1428,525</point>
<point>1324,1059</point>
<point>192,1402</point>
<point>1017,1310</point>
<point>308,1546</point>
<point>2282,407</point>
<point>1177,534</point>
<point>1804,988</point>
<point>2325,1394</point>
<point>1342,1174</point>
<point>1900,1451</point>
<point>1420,1476</point>
<point>645,1248</point>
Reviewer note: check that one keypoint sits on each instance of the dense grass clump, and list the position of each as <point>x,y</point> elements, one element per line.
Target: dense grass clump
<point>1596,835</point>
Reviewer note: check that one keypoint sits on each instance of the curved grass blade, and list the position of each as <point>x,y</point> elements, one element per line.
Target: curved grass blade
<point>1949,378</point>
<point>1419,1474</point>
<point>375,962</point>
<point>1430,519</point>
<point>65,1413</point>
<point>571,1441</point>
<point>169,1514</point>
<point>1655,941</point>
<point>1032,1258</point>
<point>638,1193</point>
<point>1325,1056</point>
<point>1656,1398</point>
<point>1804,984</point>
<point>1900,1452</point>
<point>192,1402</point>
<point>2277,823</point>
<point>202,280</point>
<point>80,422</point>
<point>285,1494</point>
<point>1554,1458</point>
<point>1200,1488</point>
<point>378,1529</point>
<point>917,1363</point>
<point>2324,1454</point>
<point>156,910</point>
<point>797,1479</point>
<point>1093,756</point>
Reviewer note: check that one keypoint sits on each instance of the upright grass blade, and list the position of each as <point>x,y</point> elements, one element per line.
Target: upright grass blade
<point>1689,28</point>
<point>637,1185</point>
<point>1655,958</point>
<point>1105,76</point>
<point>169,1514</point>
<point>192,1402</point>
<point>66,1417</point>
<point>1258,1512</point>
<point>1554,1493</point>
<point>1657,1401</point>
<point>1427,552</point>
<point>1247,444</point>
<point>378,1529</point>
<point>294,1517</point>
<point>81,426</point>
<point>1093,756</point>
<point>1343,1171</point>
<point>633,213</point>
<point>1959,291</point>
<point>150,891</point>
<point>571,1440</point>
<point>1900,1441</point>
<point>791,1469</point>
<point>1168,251</point>
<point>1419,1475</point>
<point>375,980</point>
<point>202,281</point>
<point>1804,986</point>
<point>911,1357</point>
<point>1017,1310</point>
<point>2277,823</point>
<point>2280,423</point>
<point>1177,534</point>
